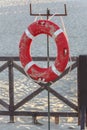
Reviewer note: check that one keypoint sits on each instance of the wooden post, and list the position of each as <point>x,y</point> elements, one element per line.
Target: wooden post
<point>56,119</point>
<point>86,117</point>
<point>79,121</point>
<point>11,91</point>
<point>82,89</point>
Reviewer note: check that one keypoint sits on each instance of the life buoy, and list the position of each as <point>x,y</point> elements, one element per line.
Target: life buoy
<point>35,72</point>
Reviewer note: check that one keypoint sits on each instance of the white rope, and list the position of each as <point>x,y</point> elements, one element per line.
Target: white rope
<point>36,18</point>
<point>55,70</point>
<point>52,16</point>
<point>64,29</point>
<point>40,16</point>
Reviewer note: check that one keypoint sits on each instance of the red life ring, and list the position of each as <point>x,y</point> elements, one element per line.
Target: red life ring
<point>34,71</point>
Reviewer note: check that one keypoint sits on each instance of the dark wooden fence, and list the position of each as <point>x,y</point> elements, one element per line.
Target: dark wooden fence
<point>11,109</point>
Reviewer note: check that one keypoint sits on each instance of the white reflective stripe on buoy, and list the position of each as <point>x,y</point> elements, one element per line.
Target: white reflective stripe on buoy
<point>29,34</point>
<point>28,66</point>
<point>56,33</point>
<point>55,70</point>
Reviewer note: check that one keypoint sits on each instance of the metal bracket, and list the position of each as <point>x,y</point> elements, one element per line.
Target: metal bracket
<point>48,12</point>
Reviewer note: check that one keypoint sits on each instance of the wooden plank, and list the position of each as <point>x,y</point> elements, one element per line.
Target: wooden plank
<point>19,68</point>
<point>37,58</point>
<point>5,113</point>
<point>11,91</point>
<point>16,58</point>
<point>59,96</point>
<point>4,104</point>
<point>30,113</point>
<point>73,58</point>
<point>4,66</point>
<point>29,97</point>
<point>9,58</point>
<point>70,68</point>
<point>61,114</point>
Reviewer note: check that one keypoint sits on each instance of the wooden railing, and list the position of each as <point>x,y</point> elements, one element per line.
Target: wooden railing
<point>11,109</point>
